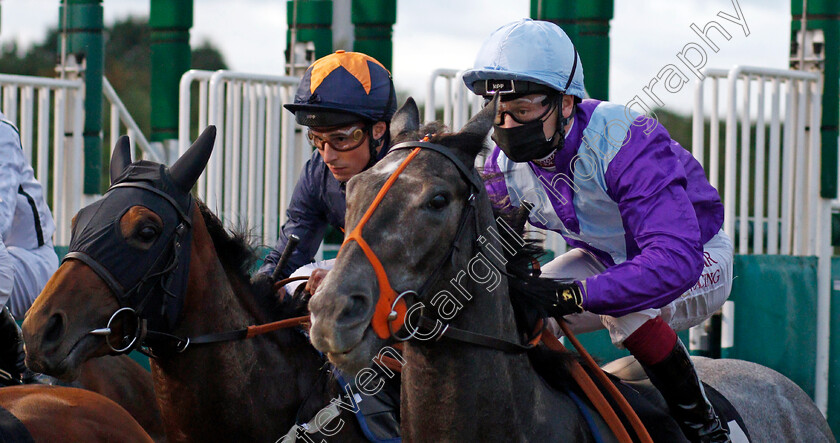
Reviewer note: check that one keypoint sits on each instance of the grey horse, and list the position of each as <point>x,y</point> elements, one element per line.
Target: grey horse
<point>455,391</point>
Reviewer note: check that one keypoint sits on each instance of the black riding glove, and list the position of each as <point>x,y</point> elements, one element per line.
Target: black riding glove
<point>569,300</point>
<point>11,346</point>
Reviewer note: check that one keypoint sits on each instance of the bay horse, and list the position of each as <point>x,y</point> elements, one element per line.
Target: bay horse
<point>63,414</point>
<point>190,278</point>
<point>128,384</point>
<point>120,379</point>
<point>419,224</point>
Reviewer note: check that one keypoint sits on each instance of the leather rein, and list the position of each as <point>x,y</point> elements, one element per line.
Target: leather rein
<point>143,337</point>
<point>147,341</point>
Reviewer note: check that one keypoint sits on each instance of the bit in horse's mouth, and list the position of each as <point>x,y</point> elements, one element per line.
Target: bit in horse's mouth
<point>79,342</point>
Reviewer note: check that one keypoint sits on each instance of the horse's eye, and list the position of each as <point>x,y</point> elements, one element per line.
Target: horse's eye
<point>147,233</point>
<point>438,202</point>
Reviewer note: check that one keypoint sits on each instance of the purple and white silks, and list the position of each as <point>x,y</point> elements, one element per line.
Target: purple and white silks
<point>628,193</point>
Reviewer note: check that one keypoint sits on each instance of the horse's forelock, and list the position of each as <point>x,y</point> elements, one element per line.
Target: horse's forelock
<point>431,129</point>
<point>466,143</point>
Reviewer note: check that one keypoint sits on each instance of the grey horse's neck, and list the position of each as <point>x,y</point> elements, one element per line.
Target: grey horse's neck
<point>225,391</point>
<point>455,391</point>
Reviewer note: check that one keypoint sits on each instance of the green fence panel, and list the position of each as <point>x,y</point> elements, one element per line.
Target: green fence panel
<point>775,314</point>
<point>834,350</point>
<point>61,251</point>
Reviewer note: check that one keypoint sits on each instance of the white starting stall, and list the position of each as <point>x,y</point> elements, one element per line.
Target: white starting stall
<point>259,152</point>
<point>49,113</point>
<point>790,151</point>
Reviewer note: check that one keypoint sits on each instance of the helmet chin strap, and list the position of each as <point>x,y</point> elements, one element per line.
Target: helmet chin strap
<point>560,130</point>
<point>562,122</point>
<point>374,144</point>
<point>559,136</point>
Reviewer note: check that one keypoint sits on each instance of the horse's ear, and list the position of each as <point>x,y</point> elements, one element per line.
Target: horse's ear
<point>406,119</point>
<point>481,123</point>
<point>120,158</point>
<point>188,168</point>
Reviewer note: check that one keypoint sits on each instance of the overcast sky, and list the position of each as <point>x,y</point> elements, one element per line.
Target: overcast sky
<point>429,34</point>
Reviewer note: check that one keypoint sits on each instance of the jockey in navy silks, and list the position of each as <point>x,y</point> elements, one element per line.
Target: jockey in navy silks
<point>346,100</point>
<point>643,221</point>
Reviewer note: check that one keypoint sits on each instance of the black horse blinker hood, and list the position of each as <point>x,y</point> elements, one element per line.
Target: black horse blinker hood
<point>151,281</point>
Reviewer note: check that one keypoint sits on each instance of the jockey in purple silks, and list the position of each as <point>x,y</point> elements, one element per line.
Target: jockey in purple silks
<point>642,219</point>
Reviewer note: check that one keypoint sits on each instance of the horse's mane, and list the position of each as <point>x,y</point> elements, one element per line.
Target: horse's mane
<point>530,295</point>
<point>238,257</point>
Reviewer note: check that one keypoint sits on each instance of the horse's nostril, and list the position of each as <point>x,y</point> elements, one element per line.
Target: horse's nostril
<point>54,329</point>
<point>356,307</point>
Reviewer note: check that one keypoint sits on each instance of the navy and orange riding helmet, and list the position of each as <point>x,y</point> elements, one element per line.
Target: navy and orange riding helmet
<point>343,88</point>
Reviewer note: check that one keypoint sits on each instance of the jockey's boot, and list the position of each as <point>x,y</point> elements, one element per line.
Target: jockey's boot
<point>11,347</point>
<point>677,381</point>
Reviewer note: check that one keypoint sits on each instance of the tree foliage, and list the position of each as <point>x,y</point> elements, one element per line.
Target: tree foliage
<point>127,62</point>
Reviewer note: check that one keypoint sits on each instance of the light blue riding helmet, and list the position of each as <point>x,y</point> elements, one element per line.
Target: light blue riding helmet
<point>530,51</point>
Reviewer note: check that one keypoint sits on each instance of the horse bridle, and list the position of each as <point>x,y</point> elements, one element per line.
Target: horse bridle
<point>390,310</point>
<point>155,342</point>
<point>159,285</point>
<point>388,307</point>
<point>391,307</point>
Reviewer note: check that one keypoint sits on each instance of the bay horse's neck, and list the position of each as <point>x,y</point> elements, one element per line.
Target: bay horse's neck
<point>455,391</point>
<point>245,390</point>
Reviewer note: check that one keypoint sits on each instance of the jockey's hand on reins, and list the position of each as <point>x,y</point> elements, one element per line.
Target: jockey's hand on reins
<point>279,290</point>
<point>301,293</point>
<point>569,300</point>
<point>315,279</point>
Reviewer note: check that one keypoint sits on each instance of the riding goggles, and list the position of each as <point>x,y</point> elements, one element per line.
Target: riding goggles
<point>524,109</point>
<point>342,139</point>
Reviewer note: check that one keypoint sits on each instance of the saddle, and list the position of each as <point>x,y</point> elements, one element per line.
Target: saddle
<point>630,378</point>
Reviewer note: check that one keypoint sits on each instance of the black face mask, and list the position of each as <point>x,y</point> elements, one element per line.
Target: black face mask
<point>153,281</point>
<point>149,281</point>
<point>525,143</point>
